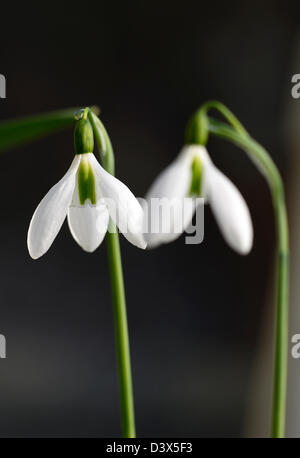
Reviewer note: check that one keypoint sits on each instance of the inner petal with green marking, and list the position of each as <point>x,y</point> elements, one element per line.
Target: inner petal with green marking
<point>86,182</point>
<point>196,177</point>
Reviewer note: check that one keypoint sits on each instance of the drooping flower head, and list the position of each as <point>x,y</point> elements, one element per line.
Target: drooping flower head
<point>89,196</point>
<point>193,174</point>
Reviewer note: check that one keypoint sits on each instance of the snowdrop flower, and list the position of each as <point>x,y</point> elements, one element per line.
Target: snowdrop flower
<point>88,196</point>
<point>191,175</point>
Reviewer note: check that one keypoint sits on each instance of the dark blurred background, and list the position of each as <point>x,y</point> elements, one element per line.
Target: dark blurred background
<point>196,312</point>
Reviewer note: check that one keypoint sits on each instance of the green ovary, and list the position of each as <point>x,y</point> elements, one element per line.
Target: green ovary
<point>196,177</point>
<point>86,182</point>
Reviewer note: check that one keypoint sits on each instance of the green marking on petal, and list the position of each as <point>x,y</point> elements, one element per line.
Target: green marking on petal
<point>196,180</point>
<point>86,182</point>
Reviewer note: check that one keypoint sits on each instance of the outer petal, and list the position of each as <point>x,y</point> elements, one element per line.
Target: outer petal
<point>174,180</point>
<point>88,224</point>
<point>51,212</point>
<point>123,207</point>
<point>230,210</point>
<point>167,219</point>
<point>172,184</point>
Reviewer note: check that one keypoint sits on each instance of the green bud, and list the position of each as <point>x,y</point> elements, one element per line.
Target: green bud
<point>197,129</point>
<point>86,182</point>
<point>83,137</point>
<point>196,180</point>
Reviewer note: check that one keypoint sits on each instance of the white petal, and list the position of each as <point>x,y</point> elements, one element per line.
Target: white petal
<point>88,224</point>
<point>172,184</point>
<point>123,207</point>
<point>174,181</point>
<point>167,219</point>
<point>230,210</point>
<point>51,212</point>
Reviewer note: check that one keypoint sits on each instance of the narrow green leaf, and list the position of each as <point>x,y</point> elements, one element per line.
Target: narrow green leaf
<point>20,131</point>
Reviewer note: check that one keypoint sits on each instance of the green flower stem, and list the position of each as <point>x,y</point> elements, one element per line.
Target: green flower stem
<point>118,293</point>
<point>197,130</point>
<point>266,165</point>
<point>226,113</point>
<point>121,332</point>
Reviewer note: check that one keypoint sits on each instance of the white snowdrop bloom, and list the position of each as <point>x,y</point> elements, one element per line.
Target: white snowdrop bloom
<point>88,196</point>
<point>193,174</point>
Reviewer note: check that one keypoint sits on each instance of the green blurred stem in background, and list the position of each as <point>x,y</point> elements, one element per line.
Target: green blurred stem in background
<point>237,134</point>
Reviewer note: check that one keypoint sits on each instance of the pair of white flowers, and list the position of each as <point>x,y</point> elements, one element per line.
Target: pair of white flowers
<point>89,196</point>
